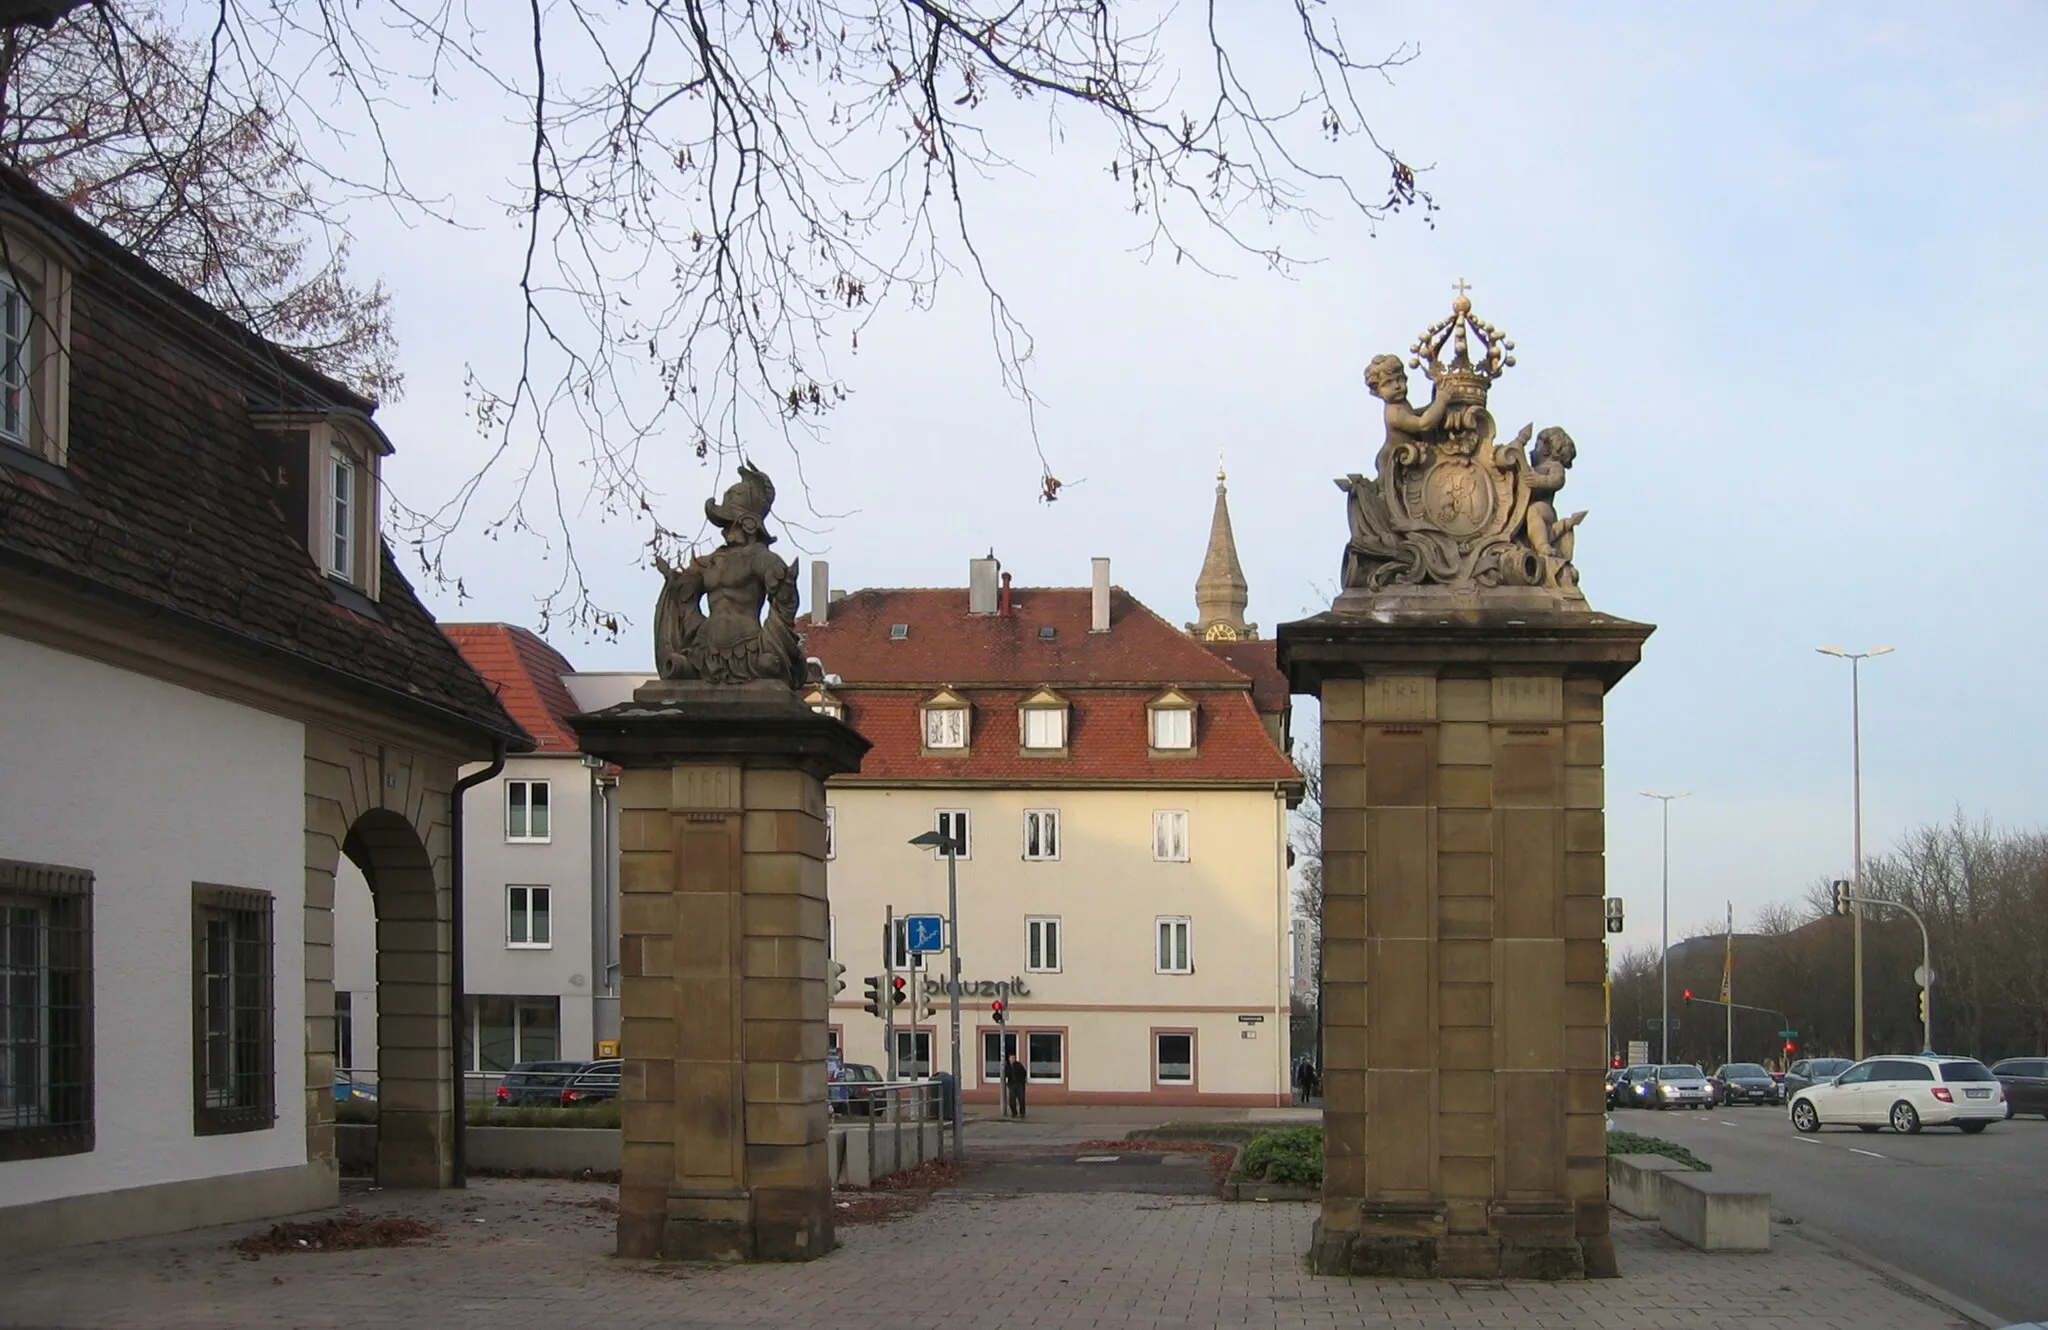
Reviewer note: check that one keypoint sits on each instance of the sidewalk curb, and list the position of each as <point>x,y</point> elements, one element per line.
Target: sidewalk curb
<point>1961,1307</point>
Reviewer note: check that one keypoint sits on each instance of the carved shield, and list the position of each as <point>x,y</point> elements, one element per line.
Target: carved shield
<point>1458,498</point>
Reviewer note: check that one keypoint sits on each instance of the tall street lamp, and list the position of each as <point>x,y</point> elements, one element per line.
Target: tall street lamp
<point>951,848</point>
<point>1856,659</point>
<point>1665,1026</point>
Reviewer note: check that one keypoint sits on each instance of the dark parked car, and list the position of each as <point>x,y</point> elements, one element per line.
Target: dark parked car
<point>1744,1083</point>
<point>1813,1071</point>
<point>536,1084</point>
<point>595,1083</point>
<point>852,1091</point>
<point>1633,1089</point>
<point>2026,1084</point>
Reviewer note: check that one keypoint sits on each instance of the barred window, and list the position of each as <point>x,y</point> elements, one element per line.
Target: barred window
<point>234,1083</point>
<point>46,1093</point>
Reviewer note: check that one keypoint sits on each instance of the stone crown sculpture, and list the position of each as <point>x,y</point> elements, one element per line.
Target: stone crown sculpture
<point>726,640</point>
<point>1451,516</point>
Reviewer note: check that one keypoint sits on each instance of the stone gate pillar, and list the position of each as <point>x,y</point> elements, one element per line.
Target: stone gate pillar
<point>723,953</point>
<point>1463,945</point>
<point>1463,679</point>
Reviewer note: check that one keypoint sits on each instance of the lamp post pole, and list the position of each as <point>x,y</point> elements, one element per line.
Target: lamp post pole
<point>953,988</point>
<point>1856,659</point>
<point>1664,958</point>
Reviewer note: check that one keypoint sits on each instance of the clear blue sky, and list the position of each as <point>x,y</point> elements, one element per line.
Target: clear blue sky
<point>1777,268</point>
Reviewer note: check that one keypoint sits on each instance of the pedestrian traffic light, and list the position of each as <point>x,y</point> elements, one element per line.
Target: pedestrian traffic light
<point>1616,1063</point>
<point>998,1013</point>
<point>1842,897</point>
<point>838,978</point>
<point>1614,915</point>
<point>896,987</point>
<point>874,994</point>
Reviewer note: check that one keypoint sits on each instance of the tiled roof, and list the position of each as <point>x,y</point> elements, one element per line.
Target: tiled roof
<point>1257,660</point>
<point>527,675</point>
<point>165,511</point>
<point>995,661</point>
<point>947,645</point>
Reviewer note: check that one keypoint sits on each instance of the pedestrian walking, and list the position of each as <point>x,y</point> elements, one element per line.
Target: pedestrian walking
<point>1301,1075</point>
<point>1013,1085</point>
<point>1311,1081</point>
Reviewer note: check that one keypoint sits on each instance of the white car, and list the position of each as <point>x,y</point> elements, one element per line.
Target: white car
<point>1906,1093</point>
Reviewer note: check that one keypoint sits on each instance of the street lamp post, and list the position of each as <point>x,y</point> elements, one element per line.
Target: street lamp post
<point>1856,659</point>
<point>950,847</point>
<point>1665,958</point>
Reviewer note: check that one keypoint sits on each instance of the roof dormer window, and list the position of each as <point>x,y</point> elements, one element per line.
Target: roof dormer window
<point>945,722</point>
<point>1171,722</point>
<point>325,466</point>
<point>1042,722</point>
<point>825,703</point>
<point>35,342</point>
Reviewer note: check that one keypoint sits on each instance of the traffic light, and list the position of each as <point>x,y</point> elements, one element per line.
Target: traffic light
<point>874,994</point>
<point>1614,915</point>
<point>1842,898</point>
<point>1688,995</point>
<point>896,987</point>
<point>1923,1006</point>
<point>1791,1048</point>
<point>838,978</point>
<point>999,1013</point>
<point>1616,1063</point>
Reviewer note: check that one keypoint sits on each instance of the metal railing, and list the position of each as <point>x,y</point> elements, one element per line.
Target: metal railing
<point>889,1104</point>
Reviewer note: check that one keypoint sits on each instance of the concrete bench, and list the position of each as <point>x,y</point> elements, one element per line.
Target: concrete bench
<point>1632,1182</point>
<point>1713,1214</point>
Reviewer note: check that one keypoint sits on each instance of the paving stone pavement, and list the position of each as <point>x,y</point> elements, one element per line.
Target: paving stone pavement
<point>532,1252</point>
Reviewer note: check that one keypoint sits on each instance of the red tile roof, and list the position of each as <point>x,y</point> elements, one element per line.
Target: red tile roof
<point>527,675</point>
<point>995,661</point>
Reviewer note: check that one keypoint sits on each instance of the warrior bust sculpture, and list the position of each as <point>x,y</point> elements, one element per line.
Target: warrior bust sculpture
<point>726,640</point>
<point>1452,516</point>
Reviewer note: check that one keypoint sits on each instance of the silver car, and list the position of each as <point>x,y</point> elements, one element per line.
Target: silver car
<point>1680,1085</point>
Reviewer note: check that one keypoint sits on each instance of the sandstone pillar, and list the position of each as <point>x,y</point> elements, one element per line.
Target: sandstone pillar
<point>723,953</point>
<point>1463,945</point>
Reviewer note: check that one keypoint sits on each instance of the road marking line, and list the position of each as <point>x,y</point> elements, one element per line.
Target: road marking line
<point>1806,1140</point>
<point>1097,1159</point>
<point>1872,1153</point>
<point>1724,1122</point>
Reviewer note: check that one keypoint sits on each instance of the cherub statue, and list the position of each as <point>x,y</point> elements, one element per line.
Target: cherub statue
<point>1388,381</point>
<point>1550,537</point>
<point>727,640</point>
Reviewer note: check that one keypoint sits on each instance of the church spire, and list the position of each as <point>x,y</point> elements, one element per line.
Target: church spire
<point>1221,593</point>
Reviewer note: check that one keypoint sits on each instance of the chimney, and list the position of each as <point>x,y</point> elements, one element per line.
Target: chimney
<point>1099,619</point>
<point>821,592</point>
<point>1004,606</point>
<point>981,584</point>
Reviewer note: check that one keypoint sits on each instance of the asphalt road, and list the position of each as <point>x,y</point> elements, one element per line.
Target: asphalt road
<point>1967,1214</point>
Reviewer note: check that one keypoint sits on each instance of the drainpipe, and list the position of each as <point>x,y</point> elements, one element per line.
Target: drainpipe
<point>459,1171</point>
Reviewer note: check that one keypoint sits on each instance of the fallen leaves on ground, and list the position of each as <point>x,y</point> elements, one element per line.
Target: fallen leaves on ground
<point>898,1194</point>
<point>924,1177</point>
<point>351,1230</point>
<point>602,1204</point>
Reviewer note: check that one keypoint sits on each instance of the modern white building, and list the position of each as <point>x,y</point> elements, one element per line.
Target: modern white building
<point>218,690</point>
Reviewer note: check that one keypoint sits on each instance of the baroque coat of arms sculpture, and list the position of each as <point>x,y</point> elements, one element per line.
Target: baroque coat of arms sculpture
<point>726,639</point>
<point>1453,516</point>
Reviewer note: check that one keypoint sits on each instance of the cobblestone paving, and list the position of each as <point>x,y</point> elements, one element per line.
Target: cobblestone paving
<point>535,1253</point>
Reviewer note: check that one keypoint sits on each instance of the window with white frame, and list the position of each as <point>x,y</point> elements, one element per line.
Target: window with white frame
<point>1041,833</point>
<point>35,352</point>
<point>1173,1057</point>
<point>527,921</point>
<point>1042,944</point>
<point>1173,727</point>
<point>342,528</point>
<point>526,810</point>
<point>952,824</point>
<point>1170,835</point>
<point>831,832</point>
<point>1045,727</point>
<point>945,727</point>
<point>1045,1055</point>
<point>14,358</point>
<point>1175,954</point>
<point>906,960</point>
